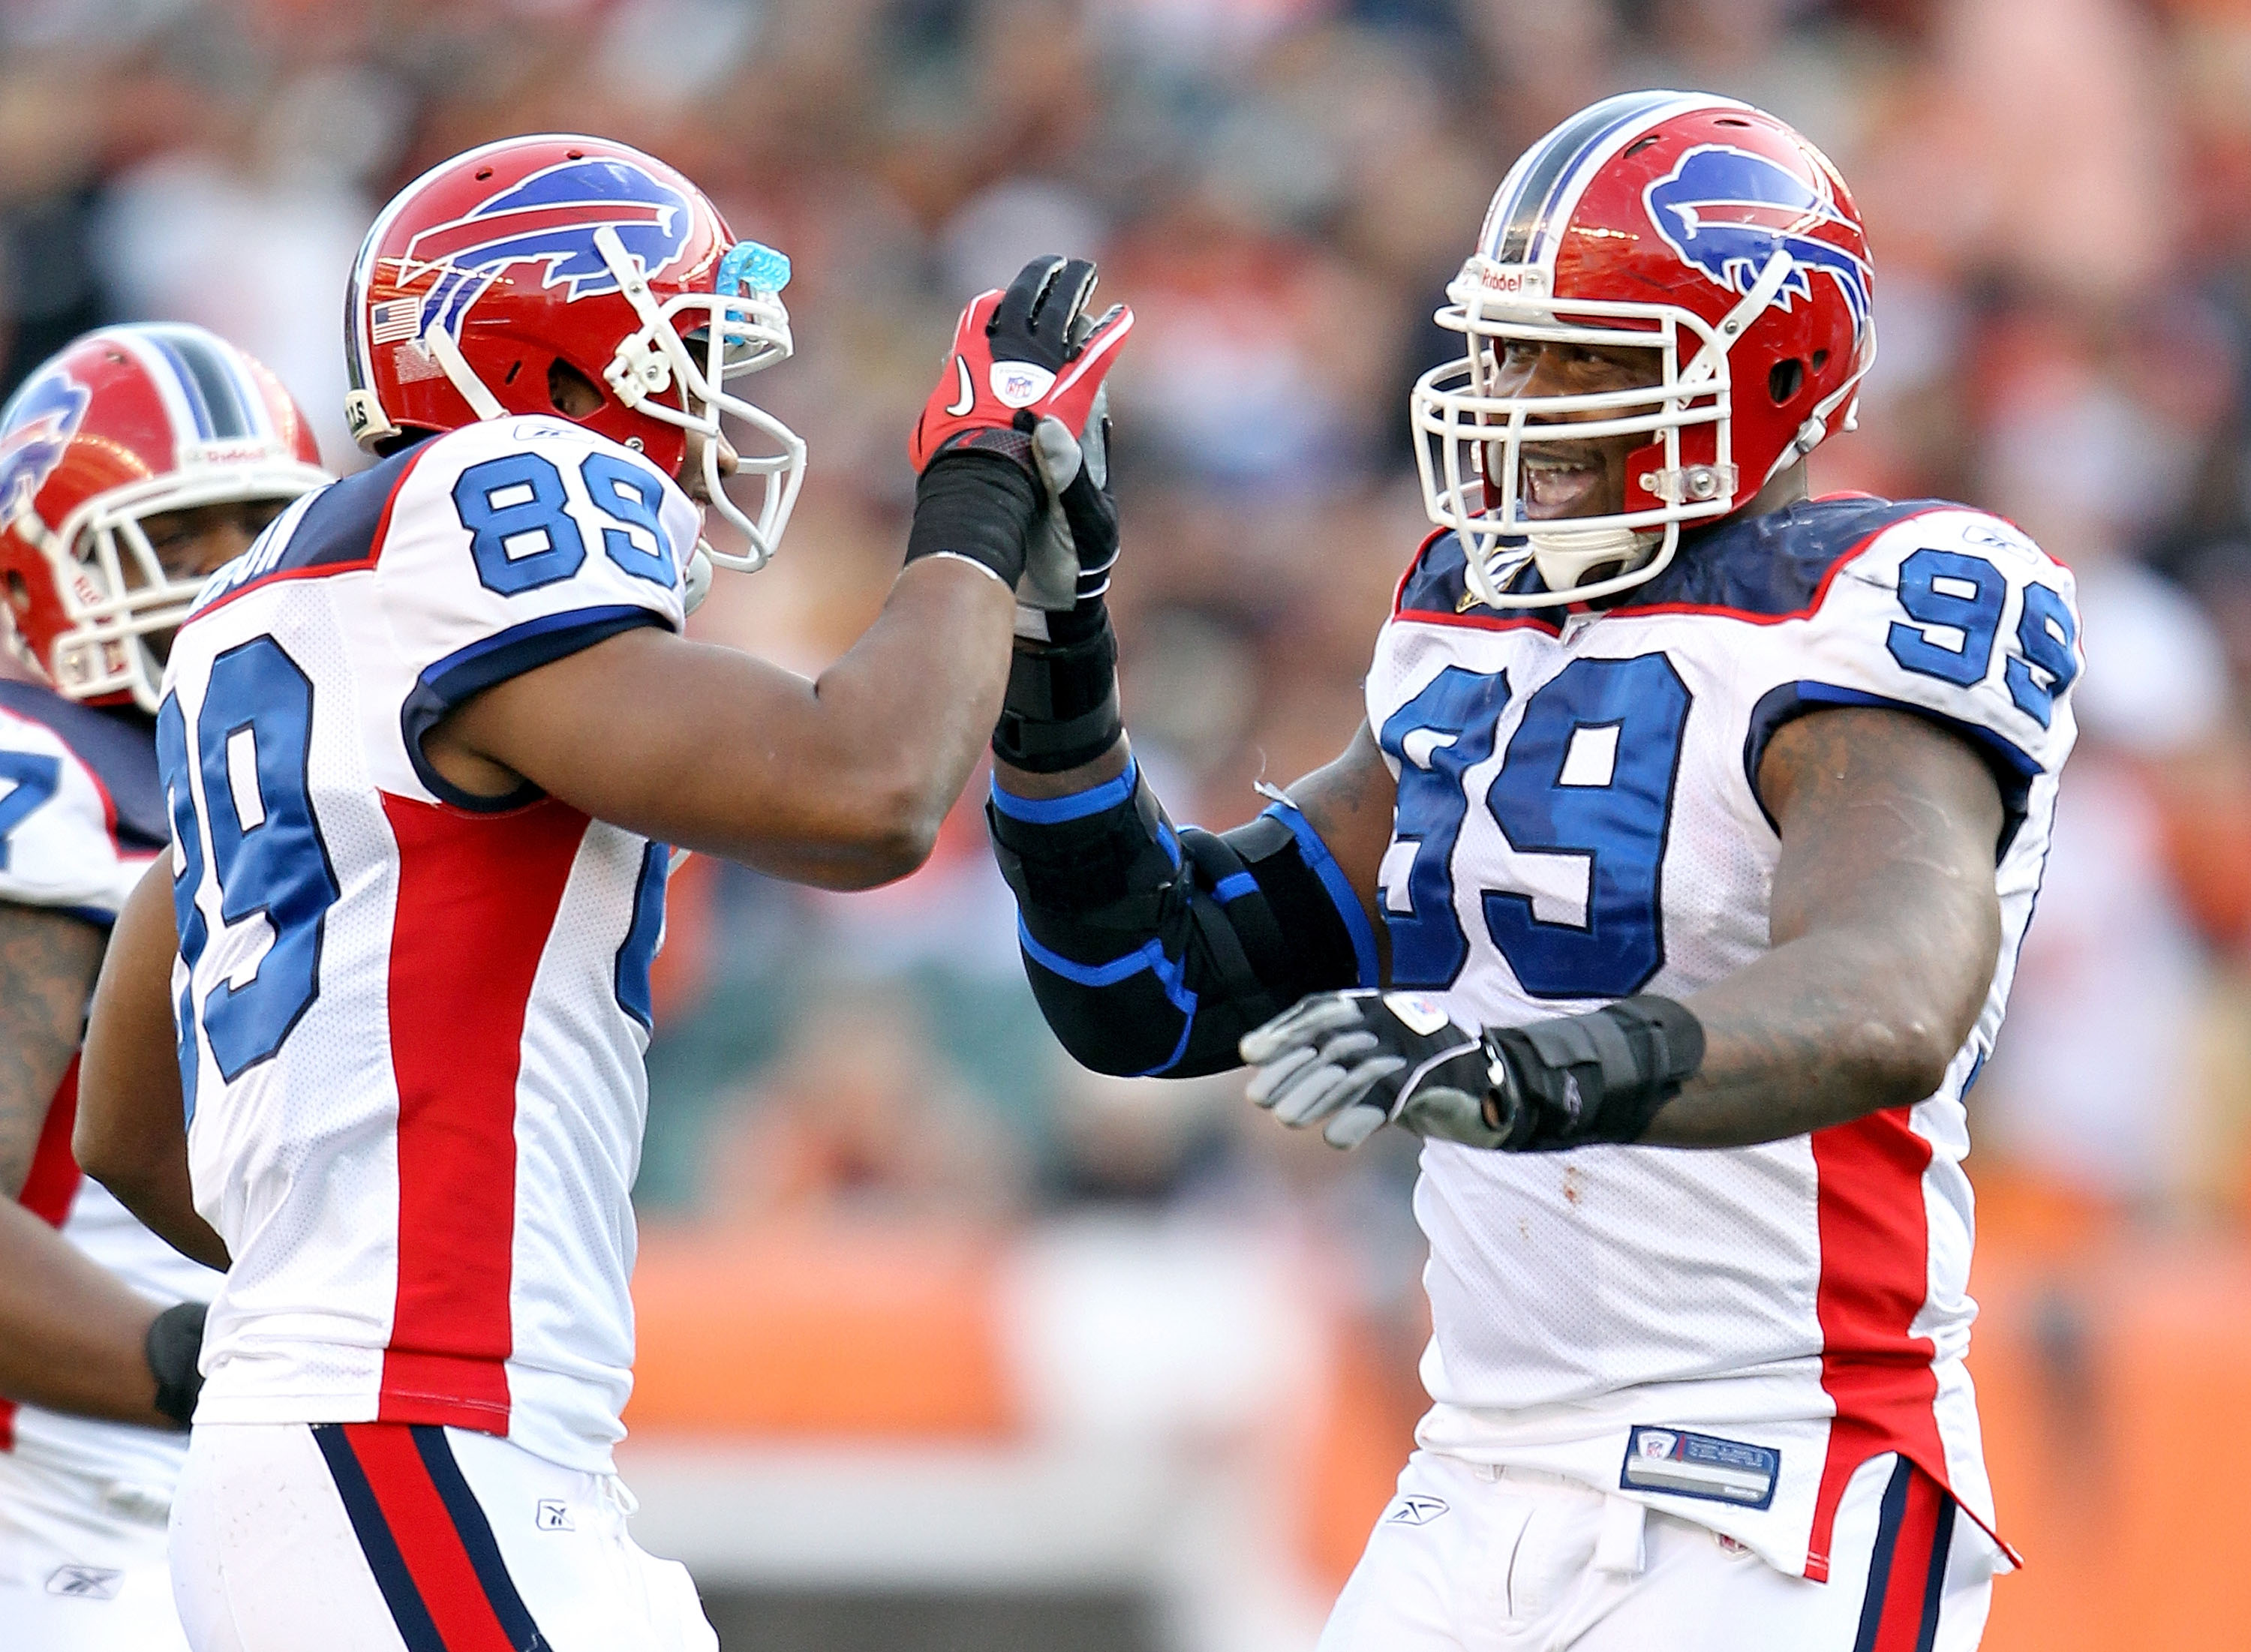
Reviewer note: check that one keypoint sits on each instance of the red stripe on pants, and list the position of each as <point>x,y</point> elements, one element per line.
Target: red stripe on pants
<point>1906,1591</point>
<point>477,898</point>
<point>423,1529</point>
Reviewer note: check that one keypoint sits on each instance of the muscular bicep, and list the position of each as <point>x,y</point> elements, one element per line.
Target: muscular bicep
<point>840,780</point>
<point>1889,823</point>
<point>1352,802</point>
<point>47,964</point>
<point>1885,924</point>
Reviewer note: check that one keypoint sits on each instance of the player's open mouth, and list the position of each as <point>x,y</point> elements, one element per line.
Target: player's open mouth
<point>1556,487</point>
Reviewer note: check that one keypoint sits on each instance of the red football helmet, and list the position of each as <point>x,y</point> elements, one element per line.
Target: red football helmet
<point>491,267</point>
<point>1709,230</point>
<point>120,425</point>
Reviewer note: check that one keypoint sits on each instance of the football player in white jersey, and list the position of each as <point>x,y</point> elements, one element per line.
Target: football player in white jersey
<point>132,463</point>
<point>1690,812</point>
<point>428,750</point>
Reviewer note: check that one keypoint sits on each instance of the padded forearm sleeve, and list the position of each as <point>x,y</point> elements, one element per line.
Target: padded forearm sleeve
<point>1152,950</point>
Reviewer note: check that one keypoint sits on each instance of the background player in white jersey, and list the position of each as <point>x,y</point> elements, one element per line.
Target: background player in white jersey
<point>132,463</point>
<point>1689,813</point>
<point>427,748</point>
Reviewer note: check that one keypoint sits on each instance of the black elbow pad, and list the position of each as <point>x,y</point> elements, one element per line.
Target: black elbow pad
<point>1152,949</point>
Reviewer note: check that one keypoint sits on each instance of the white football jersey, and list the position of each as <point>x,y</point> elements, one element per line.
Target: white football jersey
<point>80,818</point>
<point>1724,1335</point>
<point>412,1021</point>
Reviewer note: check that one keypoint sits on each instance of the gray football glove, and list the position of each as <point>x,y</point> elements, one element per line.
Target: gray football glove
<point>1352,1062</point>
<point>1361,1059</point>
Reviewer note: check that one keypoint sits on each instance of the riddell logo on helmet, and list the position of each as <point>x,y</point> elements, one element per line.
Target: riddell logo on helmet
<point>42,418</point>
<point>1726,211</point>
<point>1511,279</point>
<point>551,218</point>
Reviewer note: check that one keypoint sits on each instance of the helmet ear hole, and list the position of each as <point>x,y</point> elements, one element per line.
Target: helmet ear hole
<point>20,594</point>
<point>1785,379</point>
<point>570,392</point>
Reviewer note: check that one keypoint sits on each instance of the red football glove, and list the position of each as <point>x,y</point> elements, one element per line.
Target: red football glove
<point>1021,355</point>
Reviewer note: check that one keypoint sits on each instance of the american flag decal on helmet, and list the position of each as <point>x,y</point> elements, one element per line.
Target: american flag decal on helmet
<point>399,318</point>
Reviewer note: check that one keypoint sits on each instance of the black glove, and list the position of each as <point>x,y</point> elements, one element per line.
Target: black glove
<point>174,1344</point>
<point>1363,1057</point>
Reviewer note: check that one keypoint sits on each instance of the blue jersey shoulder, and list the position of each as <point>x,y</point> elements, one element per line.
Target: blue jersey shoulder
<point>1771,564</point>
<point>118,745</point>
<point>1767,565</point>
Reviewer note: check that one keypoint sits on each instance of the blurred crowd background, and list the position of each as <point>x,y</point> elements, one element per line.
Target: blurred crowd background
<point>2058,195</point>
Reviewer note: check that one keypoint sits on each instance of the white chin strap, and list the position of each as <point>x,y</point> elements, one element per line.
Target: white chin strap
<point>1565,556</point>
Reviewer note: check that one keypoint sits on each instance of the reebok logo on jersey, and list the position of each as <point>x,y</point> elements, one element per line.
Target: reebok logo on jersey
<point>554,1515</point>
<point>1415,1511</point>
<point>86,1583</point>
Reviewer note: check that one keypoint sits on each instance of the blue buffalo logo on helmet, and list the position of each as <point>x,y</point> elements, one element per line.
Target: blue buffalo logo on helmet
<point>35,427</point>
<point>549,218</point>
<point>1726,210</point>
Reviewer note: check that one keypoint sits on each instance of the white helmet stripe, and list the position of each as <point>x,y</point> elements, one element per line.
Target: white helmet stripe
<point>1563,200</point>
<point>179,411</point>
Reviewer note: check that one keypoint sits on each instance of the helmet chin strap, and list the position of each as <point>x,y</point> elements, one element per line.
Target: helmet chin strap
<point>447,352</point>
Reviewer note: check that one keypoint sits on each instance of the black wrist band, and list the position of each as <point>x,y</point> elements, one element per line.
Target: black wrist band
<point>977,502</point>
<point>173,1346</point>
<point>1061,706</point>
<point>1599,1077</point>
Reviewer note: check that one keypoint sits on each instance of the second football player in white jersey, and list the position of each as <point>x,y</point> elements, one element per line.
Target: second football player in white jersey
<point>1690,812</point>
<point>428,748</point>
<point>132,463</point>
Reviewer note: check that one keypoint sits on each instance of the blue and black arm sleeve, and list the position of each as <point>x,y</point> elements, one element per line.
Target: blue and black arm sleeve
<point>1152,949</point>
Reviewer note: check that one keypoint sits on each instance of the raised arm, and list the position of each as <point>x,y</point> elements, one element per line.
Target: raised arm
<point>843,780</point>
<point>839,781</point>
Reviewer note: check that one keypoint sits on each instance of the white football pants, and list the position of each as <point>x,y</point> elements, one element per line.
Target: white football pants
<point>387,1538</point>
<point>1472,1559</point>
<point>81,1568</point>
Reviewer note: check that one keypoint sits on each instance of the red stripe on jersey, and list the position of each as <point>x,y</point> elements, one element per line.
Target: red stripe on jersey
<point>49,1187</point>
<point>51,1183</point>
<point>477,897</point>
<point>422,1528</point>
<point>1476,622</point>
<point>1876,1276</point>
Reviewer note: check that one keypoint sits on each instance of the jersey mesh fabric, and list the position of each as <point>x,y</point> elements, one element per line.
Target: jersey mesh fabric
<point>1807,1295</point>
<point>68,848</point>
<point>424,1181</point>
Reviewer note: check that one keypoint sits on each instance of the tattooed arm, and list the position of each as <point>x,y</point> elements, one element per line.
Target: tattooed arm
<point>72,1336</point>
<point>1885,924</point>
<point>47,964</point>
